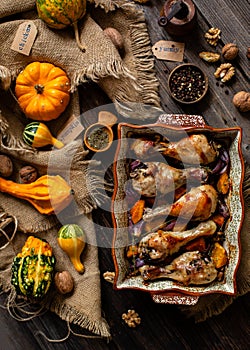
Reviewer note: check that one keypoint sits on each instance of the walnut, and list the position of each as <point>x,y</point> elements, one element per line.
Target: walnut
<point>28,174</point>
<point>209,56</point>
<point>212,36</point>
<point>230,51</point>
<point>131,318</point>
<point>115,36</point>
<point>224,72</point>
<point>64,282</point>
<point>109,276</point>
<point>241,100</point>
<point>6,166</point>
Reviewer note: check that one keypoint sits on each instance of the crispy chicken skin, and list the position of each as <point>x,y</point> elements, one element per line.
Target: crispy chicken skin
<point>198,204</point>
<point>158,245</point>
<point>157,178</point>
<point>189,268</point>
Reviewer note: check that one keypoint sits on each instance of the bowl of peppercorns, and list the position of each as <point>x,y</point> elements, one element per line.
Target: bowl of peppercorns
<point>187,83</point>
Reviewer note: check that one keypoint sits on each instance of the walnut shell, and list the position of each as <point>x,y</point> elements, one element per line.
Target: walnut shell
<point>64,282</point>
<point>115,36</point>
<point>230,51</point>
<point>28,174</point>
<point>6,166</point>
<point>241,100</point>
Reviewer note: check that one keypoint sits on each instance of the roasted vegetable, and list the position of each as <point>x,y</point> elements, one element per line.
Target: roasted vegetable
<point>60,14</point>
<point>223,183</point>
<point>33,268</point>
<point>219,255</point>
<point>71,239</point>
<point>48,194</point>
<point>38,135</point>
<point>137,211</point>
<point>43,91</point>
<point>132,251</point>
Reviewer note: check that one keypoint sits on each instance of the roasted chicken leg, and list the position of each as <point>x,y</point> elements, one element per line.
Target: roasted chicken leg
<point>188,268</point>
<point>194,149</point>
<point>159,245</point>
<point>198,204</point>
<point>152,178</point>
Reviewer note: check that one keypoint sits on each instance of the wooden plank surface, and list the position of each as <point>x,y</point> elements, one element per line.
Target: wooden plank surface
<point>163,326</point>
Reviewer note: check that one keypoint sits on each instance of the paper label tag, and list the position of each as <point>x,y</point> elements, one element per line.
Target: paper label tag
<point>169,50</point>
<point>71,130</point>
<point>24,38</point>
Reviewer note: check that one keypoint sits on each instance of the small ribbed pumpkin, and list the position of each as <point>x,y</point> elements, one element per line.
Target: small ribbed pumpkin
<point>33,268</point>
<point>60,14</point>
<point>42,91</point>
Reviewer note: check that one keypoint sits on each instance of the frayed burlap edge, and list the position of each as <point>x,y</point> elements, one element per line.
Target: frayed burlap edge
<point>214,305</point>
<point>146,84</point>
<point>68,314</point>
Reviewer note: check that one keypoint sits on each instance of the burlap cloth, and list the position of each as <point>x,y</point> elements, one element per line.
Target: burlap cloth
<point>123,78</point>
<point>130,78</point>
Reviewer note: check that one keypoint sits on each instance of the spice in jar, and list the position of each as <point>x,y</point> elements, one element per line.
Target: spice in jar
<point>98,138</point>
<point>187,84</point>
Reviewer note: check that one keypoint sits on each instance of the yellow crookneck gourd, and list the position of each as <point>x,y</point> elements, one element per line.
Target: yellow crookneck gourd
<point>71,239</point>
<point>48,194</point>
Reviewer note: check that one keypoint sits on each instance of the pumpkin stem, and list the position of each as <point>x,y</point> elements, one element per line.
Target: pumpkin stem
<point>79,44</point>
<point>39,88</point>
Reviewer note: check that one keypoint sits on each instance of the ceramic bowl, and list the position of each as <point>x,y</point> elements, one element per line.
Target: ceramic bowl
<point>165,288</point>
<point>187,83</point>
<point>98,137</point>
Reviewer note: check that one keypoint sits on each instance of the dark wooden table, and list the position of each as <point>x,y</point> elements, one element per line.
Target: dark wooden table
<point>163,326</point>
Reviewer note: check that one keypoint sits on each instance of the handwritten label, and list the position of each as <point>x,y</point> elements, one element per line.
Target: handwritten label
<point>71,130</point>
<point>169,50</point>
<point>24,38</point>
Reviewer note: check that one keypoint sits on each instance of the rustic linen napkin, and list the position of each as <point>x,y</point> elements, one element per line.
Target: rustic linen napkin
<point>100,60</point>
<point>125,77</point>
<point>83,307</point>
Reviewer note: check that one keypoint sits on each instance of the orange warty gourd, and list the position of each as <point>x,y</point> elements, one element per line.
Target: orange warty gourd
<point>48,194</point>
<point>42,91</point>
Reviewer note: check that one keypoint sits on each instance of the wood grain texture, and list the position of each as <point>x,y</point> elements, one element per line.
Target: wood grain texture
<point>163,326</point>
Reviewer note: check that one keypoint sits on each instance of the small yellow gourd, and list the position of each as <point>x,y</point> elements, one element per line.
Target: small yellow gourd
<point>71,239</point>
<point>38,135</point>
<point>48,194</point>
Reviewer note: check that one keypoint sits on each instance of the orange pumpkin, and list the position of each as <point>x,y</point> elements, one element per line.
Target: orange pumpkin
<point>43,91</point>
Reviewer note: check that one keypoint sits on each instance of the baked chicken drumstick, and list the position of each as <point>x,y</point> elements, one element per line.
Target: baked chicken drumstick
<point>159,245</point>
<point>194,149</point>
<point>188,268</point>
<point>198,204</point>
<point>152,178</point>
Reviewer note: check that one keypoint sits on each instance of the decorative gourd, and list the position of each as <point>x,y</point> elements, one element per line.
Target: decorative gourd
<point>33,268</point>
<point>71,239</point>
<point>48,194</point>
<point>38,135</point>
<point>42,91</point>
<point>60,14</point>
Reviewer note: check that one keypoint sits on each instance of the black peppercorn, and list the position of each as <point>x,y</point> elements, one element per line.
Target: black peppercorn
<point>187,83</point>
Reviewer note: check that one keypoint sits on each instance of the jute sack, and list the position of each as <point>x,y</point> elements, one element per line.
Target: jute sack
<point>125,77</point>
<point>84,305</point>
<point>101,60</point>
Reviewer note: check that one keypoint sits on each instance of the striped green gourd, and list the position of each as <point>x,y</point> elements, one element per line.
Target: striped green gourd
<point>37,135</point>
<point>60,14</point>
<point>33,268</point>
